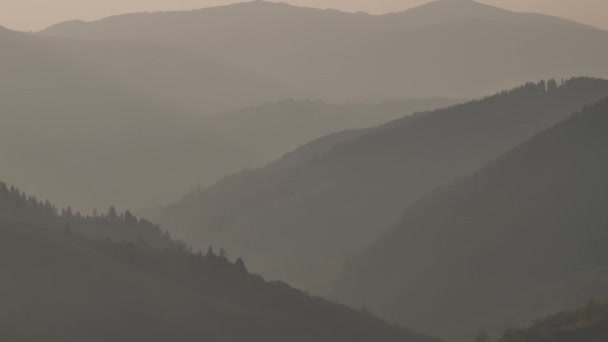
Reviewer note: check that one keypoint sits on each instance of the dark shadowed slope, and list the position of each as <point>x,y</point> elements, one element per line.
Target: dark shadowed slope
<point>17,206</point>
<point>57,286</point>
<point>589,323</point>
<point>525,227</point>
<point>315,215</point>
<point>445,48</point>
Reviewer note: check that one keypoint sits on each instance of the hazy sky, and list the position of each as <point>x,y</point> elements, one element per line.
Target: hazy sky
<point>37,14</point>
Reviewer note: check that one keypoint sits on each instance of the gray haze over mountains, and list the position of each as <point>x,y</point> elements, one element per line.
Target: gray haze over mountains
<point>166,109</point>
<point>34,15</point>
<point>122,112</point>
<point>437,173</point>
<point>512,242</point>
<point>446,48</point>
<point>351,193</point>
<point>138,131</point>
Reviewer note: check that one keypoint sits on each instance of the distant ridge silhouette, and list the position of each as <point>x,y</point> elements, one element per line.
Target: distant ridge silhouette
<point>455,49</point>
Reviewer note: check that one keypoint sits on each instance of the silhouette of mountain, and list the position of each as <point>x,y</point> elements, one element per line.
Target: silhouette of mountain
<point>58,286</point>
<point>445,48</point>
<point>450,11</point>
<point>317,212</point>
<point>17,206</point>
<point>527,225</point>
<point>589,323</point>
<point>188,81</point>
<point>479,216</point>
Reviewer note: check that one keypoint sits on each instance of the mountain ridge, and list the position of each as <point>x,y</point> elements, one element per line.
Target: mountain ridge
<point>352,191</point>
<point>478,242</point>
<point>69,284</point>
<point>360,50</point>
<point>464,6</point>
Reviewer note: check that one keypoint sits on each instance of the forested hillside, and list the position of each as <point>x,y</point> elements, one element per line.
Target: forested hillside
<point>289,218</point>
<point>16,206</point>
<point>589,323</point>
<point>263,172</point>
<point>528,231</point>
<point>68,278</point>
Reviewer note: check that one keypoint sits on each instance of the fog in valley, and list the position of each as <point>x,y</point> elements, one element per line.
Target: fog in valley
<point>307,170</point>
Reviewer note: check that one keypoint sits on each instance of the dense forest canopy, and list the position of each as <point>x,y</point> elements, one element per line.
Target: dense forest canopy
<point>69,277</point>
<point>19,207</point>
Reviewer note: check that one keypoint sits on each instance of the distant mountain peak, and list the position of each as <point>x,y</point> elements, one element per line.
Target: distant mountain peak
<point>270,5</point>
<point>259,3</point>
<point>457,4</point>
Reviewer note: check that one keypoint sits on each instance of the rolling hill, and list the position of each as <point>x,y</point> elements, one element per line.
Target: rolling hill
<point>66,112</point>
<point>456,49</point>
<point>528,230</point>
<point>101,116</point>
<point>187,81</point>
<point>316,210</point>
<point>589,323</point>
<point>138,84</point>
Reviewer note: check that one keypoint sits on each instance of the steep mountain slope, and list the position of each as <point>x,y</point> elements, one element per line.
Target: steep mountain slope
<point>16,206</point>
<point>529,220</point>
<point>289,218</point>
<point>55,289</point>
<point>589,323</point>
<point>444,48</point>
<point>57,286</point>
